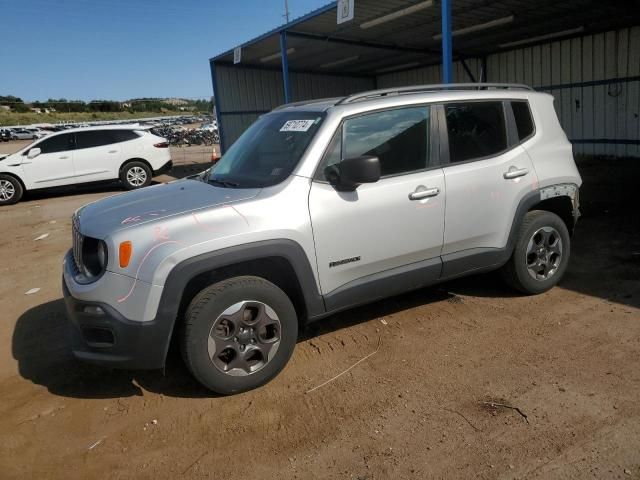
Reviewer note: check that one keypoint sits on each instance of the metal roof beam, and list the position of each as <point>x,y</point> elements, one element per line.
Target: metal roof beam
<point>247,66</point>
<point>360,43</point>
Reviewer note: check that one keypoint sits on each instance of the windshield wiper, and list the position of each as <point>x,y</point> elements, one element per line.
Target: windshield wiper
<point>224,183</point>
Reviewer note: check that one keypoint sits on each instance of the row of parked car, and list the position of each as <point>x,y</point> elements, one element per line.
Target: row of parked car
<point>34,133</point>
<point>7,134</point>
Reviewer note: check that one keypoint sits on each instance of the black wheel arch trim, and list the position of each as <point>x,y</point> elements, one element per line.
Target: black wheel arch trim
<point>134,159</point>
<point>188,269</point>
<point>18,179</point>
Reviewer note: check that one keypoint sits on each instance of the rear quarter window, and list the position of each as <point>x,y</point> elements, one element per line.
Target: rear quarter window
<point>123,135</point>
<point>523,118</point>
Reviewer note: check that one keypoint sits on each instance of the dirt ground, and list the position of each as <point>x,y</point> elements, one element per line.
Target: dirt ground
<point>566,364</point>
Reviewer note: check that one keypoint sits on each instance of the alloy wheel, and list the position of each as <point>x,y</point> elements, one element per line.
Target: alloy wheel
<point>244,338</point>
<point>136,176</point>
<point>7,190</point>
<point>544,253</point>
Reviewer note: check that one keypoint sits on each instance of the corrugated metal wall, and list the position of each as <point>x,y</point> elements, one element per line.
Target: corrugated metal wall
<point>245,93</point>
<point>429,75</point>
<point>595,80</point>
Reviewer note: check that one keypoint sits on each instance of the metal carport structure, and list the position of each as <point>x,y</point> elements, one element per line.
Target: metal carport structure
<point>584,52</point>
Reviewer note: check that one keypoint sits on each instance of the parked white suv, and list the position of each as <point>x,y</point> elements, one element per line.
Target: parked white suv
<point>84,155</point>
<point>319,207</point>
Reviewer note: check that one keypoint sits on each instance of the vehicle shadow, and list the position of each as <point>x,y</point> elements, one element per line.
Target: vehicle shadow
<point>41,343</point>
<point>42,348</point>
<point>605,263</point>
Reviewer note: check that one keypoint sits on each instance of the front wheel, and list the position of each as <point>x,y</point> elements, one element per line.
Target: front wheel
<point>10,190</point>
<point>135,175</point>
<point>239,334</point>
<point>541,254</point>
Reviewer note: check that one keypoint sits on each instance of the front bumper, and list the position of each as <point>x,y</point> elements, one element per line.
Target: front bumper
<point>101,335</point>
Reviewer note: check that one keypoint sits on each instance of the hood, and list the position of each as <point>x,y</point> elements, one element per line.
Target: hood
<point>150,204</point>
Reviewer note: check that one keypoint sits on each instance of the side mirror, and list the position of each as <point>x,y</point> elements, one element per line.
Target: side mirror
<point>353,172</point>
<point>33,153</point>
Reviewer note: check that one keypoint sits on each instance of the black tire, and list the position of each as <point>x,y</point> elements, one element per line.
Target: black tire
<point>10,190</point>
<point>135,174</point>
<point>538,257</point>
<point>206,311</point>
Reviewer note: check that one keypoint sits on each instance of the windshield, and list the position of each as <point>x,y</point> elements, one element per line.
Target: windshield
<point>267,152</point>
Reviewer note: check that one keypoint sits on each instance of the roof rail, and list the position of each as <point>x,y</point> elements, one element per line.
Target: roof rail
<point>388,92</point>
<point>304,102</point>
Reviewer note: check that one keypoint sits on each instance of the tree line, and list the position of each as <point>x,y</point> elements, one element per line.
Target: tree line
<point>133,105</point>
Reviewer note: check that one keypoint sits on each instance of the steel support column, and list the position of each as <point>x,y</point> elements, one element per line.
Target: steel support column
<point>447,44</point>
<point>285,66</point>
<point>216,99</point>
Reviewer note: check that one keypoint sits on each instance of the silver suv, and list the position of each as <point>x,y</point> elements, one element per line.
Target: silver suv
<point>318,207</point>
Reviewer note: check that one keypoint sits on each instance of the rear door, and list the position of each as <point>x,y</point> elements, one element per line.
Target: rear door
<point>54,166</point>
<point>364,238</point>
<point>98,155</point>
<point>487,174</point>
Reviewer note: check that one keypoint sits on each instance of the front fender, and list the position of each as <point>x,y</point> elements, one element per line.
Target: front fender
<point>183,272</point>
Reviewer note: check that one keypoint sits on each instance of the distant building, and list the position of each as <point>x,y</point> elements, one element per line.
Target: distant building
<point>176,101</point>
<point>5,108</point>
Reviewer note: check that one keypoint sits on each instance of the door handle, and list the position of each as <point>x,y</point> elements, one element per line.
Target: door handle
<point>514,172</point>
<point>113,151</point>
<point>426,193</point>
<point>64,157</point>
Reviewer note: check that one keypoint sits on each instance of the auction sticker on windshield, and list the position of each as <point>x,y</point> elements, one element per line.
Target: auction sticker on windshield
<point>297,125</point>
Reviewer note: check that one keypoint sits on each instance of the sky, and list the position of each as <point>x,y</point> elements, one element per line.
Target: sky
<point>121,49</point>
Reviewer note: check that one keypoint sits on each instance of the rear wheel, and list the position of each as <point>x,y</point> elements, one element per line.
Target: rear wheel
<point>541,254</point>
<point>10,190</point>
<point>135,175</point>
<point>239,334</point>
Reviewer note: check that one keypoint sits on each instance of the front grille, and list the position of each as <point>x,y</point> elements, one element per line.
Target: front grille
<point>77,242</point>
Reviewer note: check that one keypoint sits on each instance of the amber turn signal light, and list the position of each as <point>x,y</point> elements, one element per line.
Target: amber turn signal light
<point>126,249</point>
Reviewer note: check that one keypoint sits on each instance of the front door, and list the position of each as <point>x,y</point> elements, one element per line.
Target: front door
<point>385,228</point>
<point>54,166</point>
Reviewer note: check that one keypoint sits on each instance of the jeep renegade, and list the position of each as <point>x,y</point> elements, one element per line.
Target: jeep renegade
<point>318,207</point>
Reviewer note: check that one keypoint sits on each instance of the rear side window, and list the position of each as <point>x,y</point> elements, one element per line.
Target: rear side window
<point>57,143</point>
<point>97,138</point>
<point>476,130</point>
<point>524,122</point>
<point>92,138</point>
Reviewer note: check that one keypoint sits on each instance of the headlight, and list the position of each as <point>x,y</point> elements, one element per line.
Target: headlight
<point>95,256</point>
<point>102,255</point>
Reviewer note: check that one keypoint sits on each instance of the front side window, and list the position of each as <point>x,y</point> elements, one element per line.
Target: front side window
<point>57,143</point>
<point>476,130</point>
<point>268,151</point>
<point>398,137</point>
